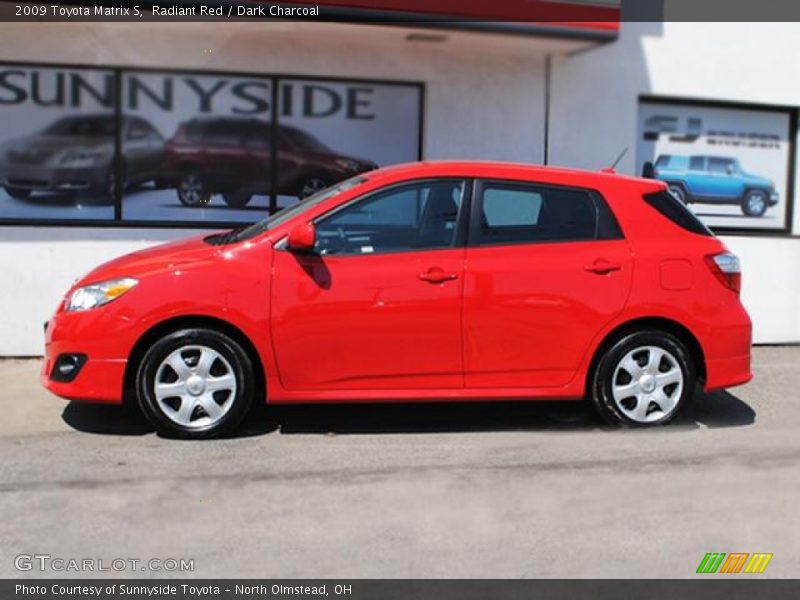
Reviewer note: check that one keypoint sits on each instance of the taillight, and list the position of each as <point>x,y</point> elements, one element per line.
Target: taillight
<point>726,269</point>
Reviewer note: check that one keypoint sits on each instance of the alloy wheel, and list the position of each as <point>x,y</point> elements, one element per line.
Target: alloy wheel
<point>192,190</point>
<point>647,384</point>
<point>195,386</point>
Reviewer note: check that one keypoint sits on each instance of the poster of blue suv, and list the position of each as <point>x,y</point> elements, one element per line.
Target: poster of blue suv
<point>193,147</point>
<point>730,166</point>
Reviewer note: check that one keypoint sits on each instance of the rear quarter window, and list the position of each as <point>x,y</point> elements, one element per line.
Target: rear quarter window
<point>675,211</point>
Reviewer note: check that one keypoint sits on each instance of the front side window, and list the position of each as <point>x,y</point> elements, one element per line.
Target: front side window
<point>519,213</point>
<point>404,218</point>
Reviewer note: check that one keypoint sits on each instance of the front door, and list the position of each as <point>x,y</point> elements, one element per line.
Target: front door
<point>547,268</point>
<point>378,303</point>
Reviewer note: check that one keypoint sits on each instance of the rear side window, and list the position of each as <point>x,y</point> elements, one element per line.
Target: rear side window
<point>675,211</point>
<point>697,163</point>
<point>514,213</point>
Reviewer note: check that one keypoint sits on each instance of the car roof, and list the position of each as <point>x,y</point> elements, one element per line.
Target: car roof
<point>511,170</point>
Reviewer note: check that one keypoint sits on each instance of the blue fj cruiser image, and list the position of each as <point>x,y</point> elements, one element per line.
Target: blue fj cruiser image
<point>715,180</point>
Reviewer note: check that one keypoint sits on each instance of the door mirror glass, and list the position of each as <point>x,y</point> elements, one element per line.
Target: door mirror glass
<point>731,169</point>
<point>302,238</point>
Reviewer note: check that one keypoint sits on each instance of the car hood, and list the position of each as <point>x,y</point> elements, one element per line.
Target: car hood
<point>51,144</point>
<point>757,179</point>
<point>164,257</point>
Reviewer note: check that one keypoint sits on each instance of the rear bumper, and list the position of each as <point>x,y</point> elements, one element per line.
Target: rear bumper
<point>727,372</point>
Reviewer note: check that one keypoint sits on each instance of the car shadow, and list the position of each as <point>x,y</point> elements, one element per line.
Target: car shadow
<point>714,410</point>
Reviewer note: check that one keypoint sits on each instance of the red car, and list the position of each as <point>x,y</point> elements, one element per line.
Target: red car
<point>424,282</point>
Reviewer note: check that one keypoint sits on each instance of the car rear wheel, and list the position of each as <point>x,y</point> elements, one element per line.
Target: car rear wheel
<point>195,383</point>
<point>312,185</point>
<point>192,190</point>
<point>17,193</point>
<point>642,380</point>
<point>677,190</point>
<point>237,199</point>
<point>754,203</point>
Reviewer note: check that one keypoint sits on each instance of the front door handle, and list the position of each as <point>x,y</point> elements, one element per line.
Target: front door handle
<point>602,267</point>
<point>437,275</point>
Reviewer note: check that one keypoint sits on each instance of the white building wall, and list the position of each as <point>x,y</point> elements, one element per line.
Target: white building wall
<point>594,116</point>
<point>484,99</point>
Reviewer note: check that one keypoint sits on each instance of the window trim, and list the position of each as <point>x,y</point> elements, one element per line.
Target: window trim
<point>462,221</point>
<point>595,196</point>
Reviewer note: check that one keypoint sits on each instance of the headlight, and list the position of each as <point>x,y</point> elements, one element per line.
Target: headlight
<point>347,164</point>
<point>98,294</point>
<point>81,158</point>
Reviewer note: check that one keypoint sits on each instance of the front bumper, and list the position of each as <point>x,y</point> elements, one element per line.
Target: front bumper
<point>47,178</point>
<point>773,198</point>
<point>101,339</point>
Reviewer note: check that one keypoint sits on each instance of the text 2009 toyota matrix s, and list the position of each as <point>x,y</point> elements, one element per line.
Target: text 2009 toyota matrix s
<point>421,282</point>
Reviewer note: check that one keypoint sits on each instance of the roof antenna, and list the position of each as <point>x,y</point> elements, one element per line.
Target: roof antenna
<point>616,162</point>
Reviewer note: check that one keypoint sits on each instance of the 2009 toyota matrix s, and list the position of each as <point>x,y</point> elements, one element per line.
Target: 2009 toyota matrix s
<point>423,282</point>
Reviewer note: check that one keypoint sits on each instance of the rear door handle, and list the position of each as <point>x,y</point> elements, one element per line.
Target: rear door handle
<point>437,275</point>
<point>601,267</point>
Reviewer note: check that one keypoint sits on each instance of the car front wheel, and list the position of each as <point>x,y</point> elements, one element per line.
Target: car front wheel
<point>195,383</point>
<point>754,203</point>
<point>642,380</point>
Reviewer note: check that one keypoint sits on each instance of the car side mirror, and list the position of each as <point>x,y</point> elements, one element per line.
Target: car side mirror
<point>730,170</point>
<point>302,238</point>
<point>648,170</point>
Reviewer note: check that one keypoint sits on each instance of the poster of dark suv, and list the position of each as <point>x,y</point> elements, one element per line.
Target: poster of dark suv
<point>57,143</point>
<point>729,164</point>
<point>223,154</point>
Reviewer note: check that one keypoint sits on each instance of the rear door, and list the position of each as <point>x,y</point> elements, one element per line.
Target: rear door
<point>547,268</point>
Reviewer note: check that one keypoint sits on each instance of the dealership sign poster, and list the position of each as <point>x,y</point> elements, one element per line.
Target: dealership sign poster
<point>730,166</point>
<point>184,146</point>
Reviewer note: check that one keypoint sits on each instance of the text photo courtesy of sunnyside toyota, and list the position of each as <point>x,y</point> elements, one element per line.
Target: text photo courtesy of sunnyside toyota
<point>193,147</point>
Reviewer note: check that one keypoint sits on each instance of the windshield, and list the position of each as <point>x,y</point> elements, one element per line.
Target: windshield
<point>94,126</point>
<point>280,217</point>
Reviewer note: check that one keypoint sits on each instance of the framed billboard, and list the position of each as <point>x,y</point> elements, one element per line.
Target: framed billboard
<point>731,164</point>
<point>119,146</point>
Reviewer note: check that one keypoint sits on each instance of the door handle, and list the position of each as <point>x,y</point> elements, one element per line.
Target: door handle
<point>437,275</point>
<point>602,267</point>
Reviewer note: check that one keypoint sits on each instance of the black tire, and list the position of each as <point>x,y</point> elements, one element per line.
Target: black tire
<point>678,192</point>
<point>622,412</point>
<point>18,193</point>
<point>232,359</point>
<point>755,203</point>
<point>237,199</point>
<point>192,190</point>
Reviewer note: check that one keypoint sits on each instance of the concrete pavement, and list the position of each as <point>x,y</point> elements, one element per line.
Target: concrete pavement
<point>493,490</point>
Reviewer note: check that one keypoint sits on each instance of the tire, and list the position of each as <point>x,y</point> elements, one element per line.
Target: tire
<point>192,190</point>
<point>755,203</point>
<point>623,399</point>
<point>237,199</point>
<point>311,185</point>
<point>195,383</point>
<point>679,193</point>
<point>18,193</point>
